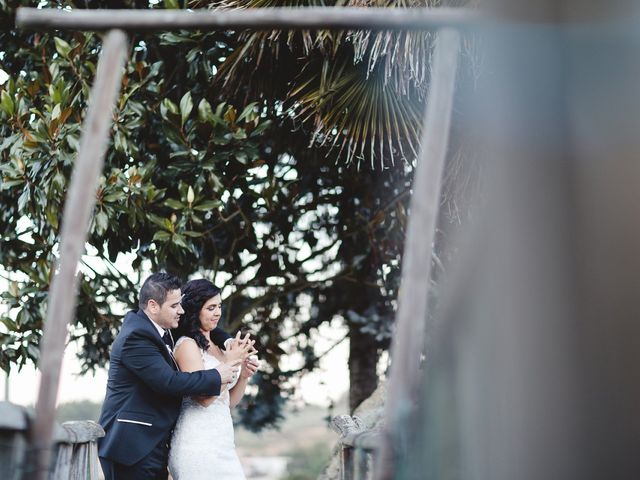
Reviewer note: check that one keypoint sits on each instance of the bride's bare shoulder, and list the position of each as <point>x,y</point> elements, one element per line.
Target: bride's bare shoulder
<point>186,344</point>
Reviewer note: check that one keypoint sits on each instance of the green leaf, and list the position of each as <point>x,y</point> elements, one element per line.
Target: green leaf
<point>6,103</point>
<point>249,112</point>
<point>102,222</point>
<point>33,351</point>
<point>205,113</point>
<point>260,128</point>
<point>156,219</point>
<point>170,38</point>
<point>162,236</point>
<point>113,197</point>
<point>7,184</point>
<point>240,134</point>
<point>10,324</point>
<point>180,241</point>
<point>62,47</point>
<point>174,204</point>
<point>52,217</point>
<point>191,233</point>
<point>186,105</point>
<point>172,4</point>
<point>73,142</point>
<point>120,142</point>
<point>208,205</point>
<point>167,107</point>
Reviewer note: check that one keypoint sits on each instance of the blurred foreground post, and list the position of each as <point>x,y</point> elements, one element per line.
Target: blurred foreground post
<point>75,225</point>
<point>409,339</point>
<point>533,374</point>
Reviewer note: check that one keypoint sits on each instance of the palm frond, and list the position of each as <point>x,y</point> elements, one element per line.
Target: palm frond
<point>357,114</point>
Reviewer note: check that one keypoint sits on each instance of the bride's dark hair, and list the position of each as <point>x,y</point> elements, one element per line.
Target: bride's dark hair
<point>195,294</point>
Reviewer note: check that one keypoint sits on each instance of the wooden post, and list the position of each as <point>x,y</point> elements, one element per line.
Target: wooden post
<point>75,224</point>
<point>78,454</point>
<point>409,339</point>
<point>361,464</point>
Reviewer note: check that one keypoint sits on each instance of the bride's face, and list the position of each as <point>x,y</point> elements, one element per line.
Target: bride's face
<point>210,313</point>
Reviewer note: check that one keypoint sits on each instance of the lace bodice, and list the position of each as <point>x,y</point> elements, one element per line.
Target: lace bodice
<point>209,362</point>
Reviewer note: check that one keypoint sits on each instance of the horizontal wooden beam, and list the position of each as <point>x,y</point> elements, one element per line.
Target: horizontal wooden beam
<point>369,440</point>
<point>364,18</point>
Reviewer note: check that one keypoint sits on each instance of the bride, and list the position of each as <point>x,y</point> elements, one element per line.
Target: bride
<point>202,446</point>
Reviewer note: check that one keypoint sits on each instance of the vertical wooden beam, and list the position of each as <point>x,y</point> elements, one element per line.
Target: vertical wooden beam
<point>347,470</point>
<point>411,319</point>
<point>361,464</point>
<point>77,215</point>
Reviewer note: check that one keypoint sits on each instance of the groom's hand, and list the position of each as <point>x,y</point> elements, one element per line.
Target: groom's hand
<point>249,367</point>
<point>228,371</point>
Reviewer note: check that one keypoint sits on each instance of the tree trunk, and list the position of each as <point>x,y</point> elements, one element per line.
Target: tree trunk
<point>363,361</point>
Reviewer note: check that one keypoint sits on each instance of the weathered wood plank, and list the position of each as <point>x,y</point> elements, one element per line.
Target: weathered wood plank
<point>75,224</point>
<point>408,342</point>
<point>255,18</point>
<point>83,431</point>
<point>367,440</point>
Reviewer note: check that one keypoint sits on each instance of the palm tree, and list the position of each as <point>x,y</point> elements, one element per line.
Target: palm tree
<point>360,93</point>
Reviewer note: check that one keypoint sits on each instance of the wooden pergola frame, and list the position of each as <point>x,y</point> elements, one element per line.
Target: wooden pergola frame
<point>411,318</point>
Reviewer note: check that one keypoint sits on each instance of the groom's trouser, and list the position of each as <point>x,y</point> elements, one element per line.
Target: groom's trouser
<point>151,467</point>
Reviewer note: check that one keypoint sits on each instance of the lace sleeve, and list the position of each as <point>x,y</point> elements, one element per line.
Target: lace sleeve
<point>181,340</point>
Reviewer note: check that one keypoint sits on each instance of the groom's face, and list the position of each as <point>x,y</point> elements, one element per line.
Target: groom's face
<point>170,310</point>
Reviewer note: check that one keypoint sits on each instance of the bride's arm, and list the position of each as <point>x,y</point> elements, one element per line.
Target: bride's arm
<point>189,359</point>
<point>236,393</point>
<point>249,367</point>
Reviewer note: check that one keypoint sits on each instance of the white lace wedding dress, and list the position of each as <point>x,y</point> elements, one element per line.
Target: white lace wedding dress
<point>202,446</point>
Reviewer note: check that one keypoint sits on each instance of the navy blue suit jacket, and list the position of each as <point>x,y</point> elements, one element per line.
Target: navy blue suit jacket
<point>145,389</point>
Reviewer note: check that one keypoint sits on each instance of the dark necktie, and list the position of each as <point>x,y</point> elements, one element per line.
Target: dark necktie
<point>168,340</point>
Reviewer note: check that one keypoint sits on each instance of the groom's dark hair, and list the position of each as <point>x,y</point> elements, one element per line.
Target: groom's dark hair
<point>156,287</point>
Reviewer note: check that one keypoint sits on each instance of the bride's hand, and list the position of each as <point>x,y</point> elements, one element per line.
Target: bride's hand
<point>249,367</point>
<point>239,349</point>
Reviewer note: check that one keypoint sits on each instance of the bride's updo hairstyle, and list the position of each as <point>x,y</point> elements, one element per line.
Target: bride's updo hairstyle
<point>195,294</point>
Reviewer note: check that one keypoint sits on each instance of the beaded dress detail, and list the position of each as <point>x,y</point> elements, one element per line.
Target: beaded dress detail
<point>203,445</point>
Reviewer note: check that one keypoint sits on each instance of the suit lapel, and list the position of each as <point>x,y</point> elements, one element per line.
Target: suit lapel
<point>147,325</point>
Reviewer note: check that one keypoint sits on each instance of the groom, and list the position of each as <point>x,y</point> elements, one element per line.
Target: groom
<point>145,387</point>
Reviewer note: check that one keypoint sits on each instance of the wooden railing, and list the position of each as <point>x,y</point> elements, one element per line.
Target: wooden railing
<point>75,449</point>
<point>358,446</point>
